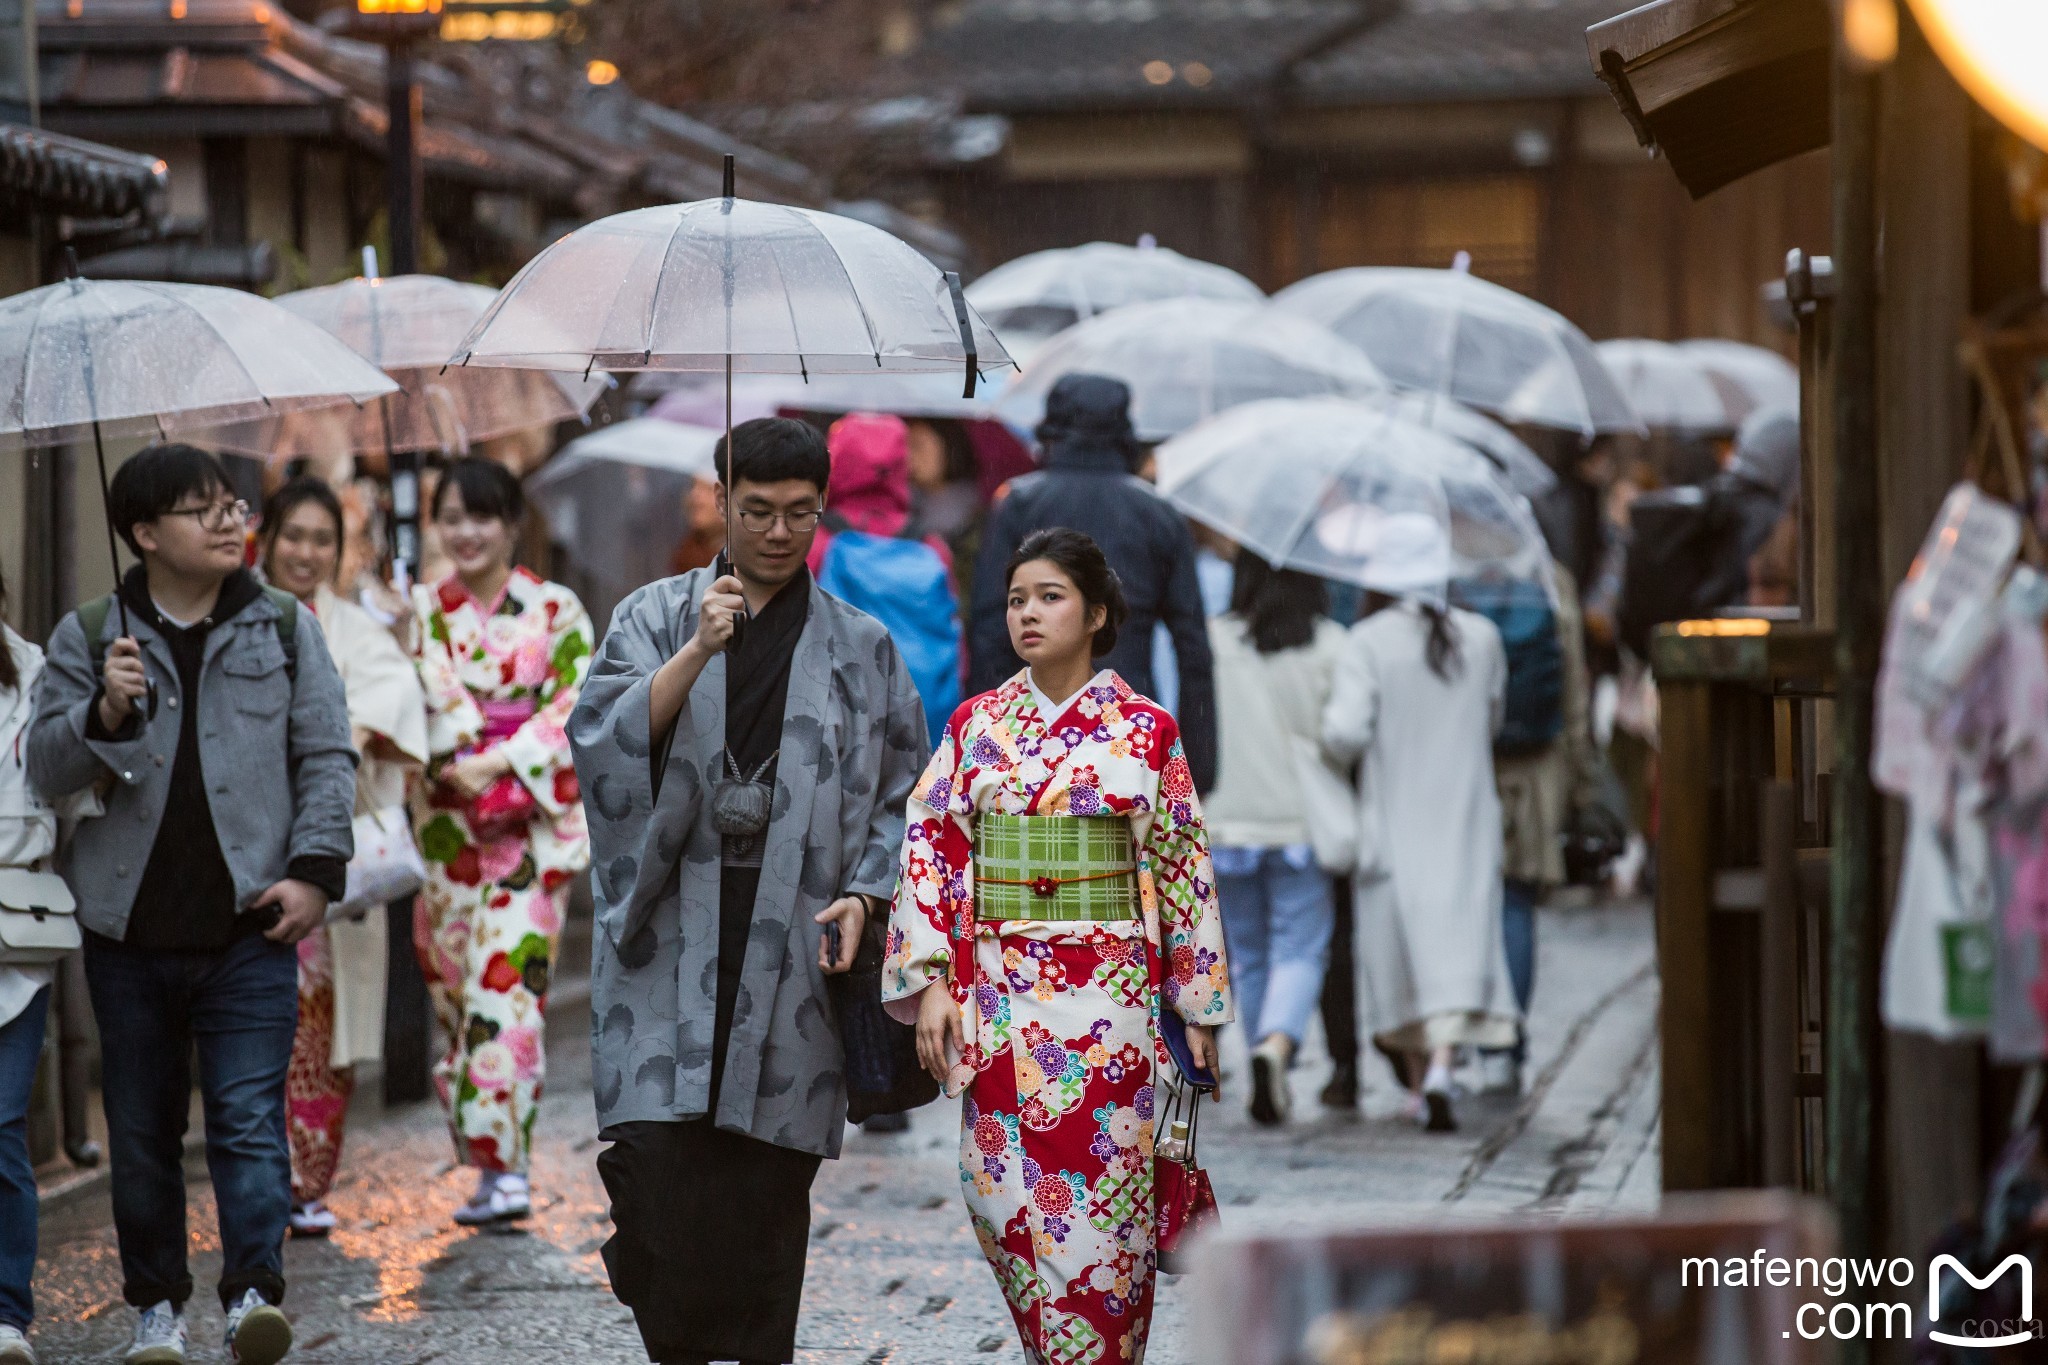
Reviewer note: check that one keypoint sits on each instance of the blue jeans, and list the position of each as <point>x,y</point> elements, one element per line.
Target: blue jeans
<point>240,1005</point>
<point>21,1042</point>
<point>1276,924</point>
<point>1518,932</point>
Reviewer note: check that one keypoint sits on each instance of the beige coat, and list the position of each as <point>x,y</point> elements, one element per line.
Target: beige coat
<point>1267,707</point>
<point>1540,790</point>
<point>384,698</point>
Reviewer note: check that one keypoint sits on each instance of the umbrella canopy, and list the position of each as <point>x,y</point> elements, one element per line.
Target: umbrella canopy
<point>1187,359</point>
<point>648,442</point>
<point>1035,296</point>
<point>1522,467</point>
<point>408,326</point>
<point>1345,498</point>
<point>766,288</point>
<point>1669,389</point>
<point>1753,377</point>
<point>141,358</point>
<point>904,395</point>
<point>1450,333</point>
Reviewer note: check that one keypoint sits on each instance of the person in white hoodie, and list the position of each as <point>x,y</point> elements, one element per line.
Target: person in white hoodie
<point>1275,653</point>
<point>28,836</point>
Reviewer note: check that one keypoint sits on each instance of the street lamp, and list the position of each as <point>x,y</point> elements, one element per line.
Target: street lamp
<point>398,25</point>
<point>1994,50</point>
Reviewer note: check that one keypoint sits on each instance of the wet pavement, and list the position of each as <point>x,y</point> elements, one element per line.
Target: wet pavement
<point>895,1275</point>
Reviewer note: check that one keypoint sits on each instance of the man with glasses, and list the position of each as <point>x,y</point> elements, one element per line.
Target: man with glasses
<point>206,709</point>
<point>745,743</point>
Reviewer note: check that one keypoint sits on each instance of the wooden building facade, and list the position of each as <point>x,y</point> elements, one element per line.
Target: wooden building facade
<point>1287,137</point>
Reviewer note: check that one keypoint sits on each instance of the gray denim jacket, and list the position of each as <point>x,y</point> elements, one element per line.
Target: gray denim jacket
<point>274,748</point>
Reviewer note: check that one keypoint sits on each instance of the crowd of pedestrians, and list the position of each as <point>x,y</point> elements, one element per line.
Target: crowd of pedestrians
<point>874,748</point>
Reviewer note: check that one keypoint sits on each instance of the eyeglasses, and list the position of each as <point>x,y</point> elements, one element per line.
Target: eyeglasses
<point>758,523</point>
<point>215,516</point>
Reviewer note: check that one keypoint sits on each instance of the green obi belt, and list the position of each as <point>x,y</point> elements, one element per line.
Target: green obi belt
<point>1055,868</point>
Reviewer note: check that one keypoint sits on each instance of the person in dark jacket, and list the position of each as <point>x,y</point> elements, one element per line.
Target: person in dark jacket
<point>1085,483</point>
<point>1758,489</point>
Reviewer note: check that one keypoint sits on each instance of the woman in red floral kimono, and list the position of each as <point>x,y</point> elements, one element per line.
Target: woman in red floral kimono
<point>1056,895</point>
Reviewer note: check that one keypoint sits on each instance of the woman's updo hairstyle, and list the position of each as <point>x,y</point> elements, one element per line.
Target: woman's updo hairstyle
<point>1080,559</point>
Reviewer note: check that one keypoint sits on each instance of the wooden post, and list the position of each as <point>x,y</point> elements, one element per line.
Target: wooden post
<point>1856,937</point>
<point>1684,918</point>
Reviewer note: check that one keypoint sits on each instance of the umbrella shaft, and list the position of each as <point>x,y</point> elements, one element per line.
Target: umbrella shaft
<point>99,450</point>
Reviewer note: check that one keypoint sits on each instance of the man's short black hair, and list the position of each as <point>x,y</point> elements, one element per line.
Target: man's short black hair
<point>772,449</point>
<point>488,490</point>
<point>156,479</point>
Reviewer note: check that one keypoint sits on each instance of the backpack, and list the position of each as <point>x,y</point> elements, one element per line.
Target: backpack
<point>1520,610</point>
<point>904,585</point>
<point>92,617</point>
<point>1675,552</point>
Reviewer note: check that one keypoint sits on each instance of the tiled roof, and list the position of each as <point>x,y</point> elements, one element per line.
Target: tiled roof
<point>59,174</point>
<point>1017,55</point>
<point>1462,49</point>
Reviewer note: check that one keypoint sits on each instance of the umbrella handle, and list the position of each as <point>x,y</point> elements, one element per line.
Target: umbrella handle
<point>720,567</point>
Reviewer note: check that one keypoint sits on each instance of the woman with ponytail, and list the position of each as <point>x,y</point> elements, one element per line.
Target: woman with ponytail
<point>1417,697</point>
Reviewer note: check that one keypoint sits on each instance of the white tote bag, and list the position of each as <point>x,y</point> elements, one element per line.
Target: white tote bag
<point>38,918</point>
<point>387,866</point>
<point>1331,809</point>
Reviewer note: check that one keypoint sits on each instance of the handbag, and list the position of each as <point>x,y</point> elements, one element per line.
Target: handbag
<point>1183,1199</point>
<point>883,1075</point>
<point>1331,807</point>
<point>504,809</point>
<point>386,867</point>
<point>38,918</point>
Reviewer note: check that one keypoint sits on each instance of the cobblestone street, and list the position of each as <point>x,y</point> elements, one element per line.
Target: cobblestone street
<point>895,1275</point>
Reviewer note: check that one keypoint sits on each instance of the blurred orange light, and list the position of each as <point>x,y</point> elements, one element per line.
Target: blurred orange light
<point>177,9</point>
<point>601,72</point>
<point>398,6</point>
<point>1158,73</point>
<point>1993,49</point>
<point>1197,74</point>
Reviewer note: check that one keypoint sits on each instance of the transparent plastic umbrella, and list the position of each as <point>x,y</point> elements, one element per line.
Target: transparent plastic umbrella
<point>1333,487</point>
<point>1522,467</point>
<point>763,288</point>
<point>139,358</point>
<point>1187,359</point>
<point>1758,378</point>
<point>408,326</point>
<point>1450,333</point>
<point>1033,297</point>
<point>1670,388</point>
<point>735,286</point>
<point>648,442</point>
<point>905,395</point>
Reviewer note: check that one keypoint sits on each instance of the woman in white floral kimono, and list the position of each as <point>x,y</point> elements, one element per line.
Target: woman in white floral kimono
<point>502,656</point>
<point>1055,896</point>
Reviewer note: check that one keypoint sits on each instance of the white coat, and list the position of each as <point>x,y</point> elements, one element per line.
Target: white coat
<point>384,698</point>
<point>1432,968</point>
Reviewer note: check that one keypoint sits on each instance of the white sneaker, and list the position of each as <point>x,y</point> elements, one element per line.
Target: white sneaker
<point>14,1347</point>
<point>159,1337</point>
<point>258,1332</point>
<point>312,1220</point>
<point>1436,1099</point>
<point>1272,1101</point>
<point>500,1197</point>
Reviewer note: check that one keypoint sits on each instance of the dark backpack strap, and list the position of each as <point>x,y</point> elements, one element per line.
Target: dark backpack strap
<point>287,627</point>
<point>92,619</point>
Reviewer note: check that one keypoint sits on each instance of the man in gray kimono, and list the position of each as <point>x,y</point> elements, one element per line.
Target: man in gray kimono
<point>745,743</point>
